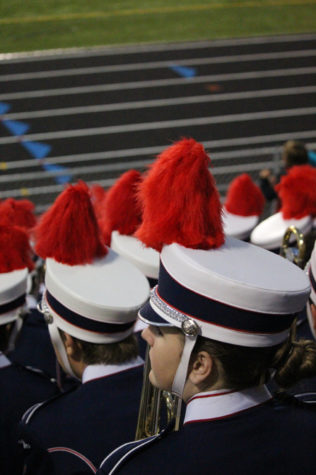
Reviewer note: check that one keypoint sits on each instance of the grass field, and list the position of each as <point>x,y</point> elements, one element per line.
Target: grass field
<point>44,24</point>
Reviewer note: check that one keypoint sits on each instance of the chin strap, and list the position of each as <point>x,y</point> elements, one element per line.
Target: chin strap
<point>181,374</point>
<point>191,331</point>
<point>59,348</point>
<point>14,333</point>
<point>55,337</point>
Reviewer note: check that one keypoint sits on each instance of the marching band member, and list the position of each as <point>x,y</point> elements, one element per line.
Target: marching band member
<point>32,346</point>
<point>122,215</point>
<point>294,153</point>
<point>220,320</point>
<point>297,192</point>
<point>91,301</point>
<point>20,385</point>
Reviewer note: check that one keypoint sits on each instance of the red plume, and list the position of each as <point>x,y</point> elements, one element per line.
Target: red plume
<point>297,192</point>
<point>98,195</point>
<point>17,213</point>
<point>68,231</point>
<point>15,249</point>
<point>244,197</point>
<point>122,210</point>
<point>180,200</point>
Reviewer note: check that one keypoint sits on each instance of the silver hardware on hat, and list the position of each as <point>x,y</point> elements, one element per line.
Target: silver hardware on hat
<point>190,327</point>
<point>43,308</point>
<point>164,307</point>
<point>48,318</point>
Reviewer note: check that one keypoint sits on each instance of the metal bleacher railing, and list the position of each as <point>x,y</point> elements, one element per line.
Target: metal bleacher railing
<point>26,180</point>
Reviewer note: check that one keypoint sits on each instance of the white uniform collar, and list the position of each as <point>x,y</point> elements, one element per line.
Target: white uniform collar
<point>4,361</point>
<point>223,403</point>
<point>98,371</point>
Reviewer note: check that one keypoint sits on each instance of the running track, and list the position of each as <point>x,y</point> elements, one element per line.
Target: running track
<point>92,114</point>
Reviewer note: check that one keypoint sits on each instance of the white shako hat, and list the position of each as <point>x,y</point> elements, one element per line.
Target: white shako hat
<point>122,216</point>
<point>132,249</point>
<point>232,292</point>
<point>15,262</point>
<point>311,270</point>
<point>297,192</point>
<point>91,292</point>
<point>242,208</point>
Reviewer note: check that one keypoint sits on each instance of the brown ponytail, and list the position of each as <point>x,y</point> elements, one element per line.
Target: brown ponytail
<point>300,363</point>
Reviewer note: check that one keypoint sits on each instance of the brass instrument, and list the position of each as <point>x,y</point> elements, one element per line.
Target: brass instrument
<point>154,403</point>
<point>295,254</point>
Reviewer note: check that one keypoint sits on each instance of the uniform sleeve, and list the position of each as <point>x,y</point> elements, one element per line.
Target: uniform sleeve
<point>34,458</point>
<point>37,461</point>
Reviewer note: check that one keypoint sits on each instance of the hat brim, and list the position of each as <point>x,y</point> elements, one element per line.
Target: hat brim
<point>145,258</point>
<point>269,233</point>
<point>148,315</point>
<point>237,226</point>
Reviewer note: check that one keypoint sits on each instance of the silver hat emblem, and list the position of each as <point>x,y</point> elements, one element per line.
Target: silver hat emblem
<point>42,307</point>
<point>190,327</point>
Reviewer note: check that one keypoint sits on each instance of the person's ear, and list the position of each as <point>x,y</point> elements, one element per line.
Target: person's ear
<point>201,368</point>
<point>72,346</point>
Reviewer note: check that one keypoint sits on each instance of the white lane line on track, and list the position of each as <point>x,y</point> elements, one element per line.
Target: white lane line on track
<point>137,127</point>
<point>142,151</point>
<point>46,189</point>
<point>217,170</point>
<point>158,65</point>
<point>161,102</point>
<point>148,48</point>
<point>158,83</point>
<point>123,166</point>
<point>55,189</point>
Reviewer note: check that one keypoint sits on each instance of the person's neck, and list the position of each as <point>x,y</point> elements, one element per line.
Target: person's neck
<point>191,389</point>
<point>78,367</point>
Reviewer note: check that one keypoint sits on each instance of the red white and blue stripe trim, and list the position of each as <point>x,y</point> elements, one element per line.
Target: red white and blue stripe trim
<point>85,323</point>
<point>215,405</point>
<point>13,305</point>
<point>172,303</point>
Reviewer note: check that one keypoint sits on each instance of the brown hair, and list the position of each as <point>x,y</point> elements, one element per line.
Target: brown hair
<point>294,153</point>
<point>241,367</point>
<point>107,353</point>
<point>5,332</point>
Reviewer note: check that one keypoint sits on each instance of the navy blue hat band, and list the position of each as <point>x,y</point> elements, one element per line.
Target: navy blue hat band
<point>85,323</point>
<point>7,307</point>
<point>148,314</point>
<point>152,282</point>
<point>211,311</point>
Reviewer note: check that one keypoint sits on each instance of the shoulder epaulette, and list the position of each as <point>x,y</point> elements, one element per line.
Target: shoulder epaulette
<point>123,453</point>
<point>27,416</point>
<point>306,400</point>
<point>33,370</point>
